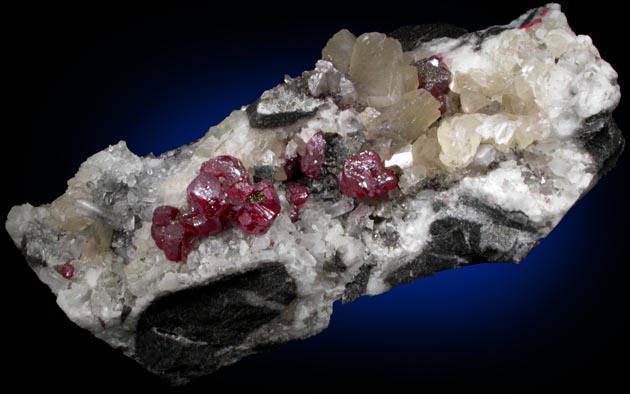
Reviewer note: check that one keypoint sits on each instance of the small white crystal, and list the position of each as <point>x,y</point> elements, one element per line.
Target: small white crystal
<point>343,206</point>
<point>403,158</point>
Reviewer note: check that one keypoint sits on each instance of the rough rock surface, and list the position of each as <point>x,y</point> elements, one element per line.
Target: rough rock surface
<point>524,130</point>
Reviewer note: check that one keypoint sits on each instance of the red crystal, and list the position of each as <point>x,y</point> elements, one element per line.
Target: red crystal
<point>67,270</point>
<point>292,167</point>
<point>165,215</point>
<point>363,175</point>
<point>239,193</point>
<point>169,233</point>
<point>199,224</point>
<point>206,194</point>
<point>227,169</point>
<point>260,210</point>
<point>313,158</point>
<point>176,242</point>
<point>298,195</point>
<point>434,76</point>
<point>531,24</point>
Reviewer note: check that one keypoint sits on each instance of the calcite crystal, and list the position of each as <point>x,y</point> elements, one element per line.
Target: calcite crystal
<point>397,156</point>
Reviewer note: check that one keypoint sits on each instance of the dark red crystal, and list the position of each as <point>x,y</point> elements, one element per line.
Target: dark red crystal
<point>207,194</point>
<point>298,195</point>
<point>434,76</point>
<point>292,167</point>
<point>199,224</point>
<point>227,169</point>
<point>239,193</point>
<point>313,158</point>
<point>165,215</point>
<point>67,270</point>
<point>169,233</point>
<point>363,175</point>
<point>175,241</point>
<point>258,213</point>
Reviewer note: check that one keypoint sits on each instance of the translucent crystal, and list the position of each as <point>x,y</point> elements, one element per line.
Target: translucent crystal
<point>378,69</point>
<point>407,119</point>
<point>313,158</point>
<point>459,140</point>
<point>298,196</point>
<point>339,49</point>
<point>260,211</point>
<point>207,194</point>
<point>227,169</point>
<point>169,233</point>
<point>363,175</point>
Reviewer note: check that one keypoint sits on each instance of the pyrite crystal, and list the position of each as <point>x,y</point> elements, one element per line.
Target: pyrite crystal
<point>398,156</point>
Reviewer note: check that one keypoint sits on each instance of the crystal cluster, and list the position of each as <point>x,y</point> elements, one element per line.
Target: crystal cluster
<point>399,155</point>
<point>220,194</point>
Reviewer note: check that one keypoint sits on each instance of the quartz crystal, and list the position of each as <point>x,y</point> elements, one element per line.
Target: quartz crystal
<point>399,155</point>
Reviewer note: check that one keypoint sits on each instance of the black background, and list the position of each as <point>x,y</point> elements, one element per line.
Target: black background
<point>72,83</point>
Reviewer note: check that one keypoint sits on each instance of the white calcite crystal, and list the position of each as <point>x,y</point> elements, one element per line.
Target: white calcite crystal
<point>491,136</point>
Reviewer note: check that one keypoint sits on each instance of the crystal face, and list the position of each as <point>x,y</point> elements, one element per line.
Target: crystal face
<point>298,195</point>
<point>228,170</point>
<point>313,159</point>
<point>434,76</point>
<point>169,233</point>
<point>220,194</point>
<point>259,209</point>
<point>207,194</point>
<point>363,175</point>
<point>398,155</point>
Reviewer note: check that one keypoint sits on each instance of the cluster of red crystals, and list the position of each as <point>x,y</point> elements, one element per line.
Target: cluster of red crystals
<point>434,76</point>
<point>309,164</point>
<point>220,194</point>
<point>364,175</point>
<point>298,195</point>
<point>313,159</point>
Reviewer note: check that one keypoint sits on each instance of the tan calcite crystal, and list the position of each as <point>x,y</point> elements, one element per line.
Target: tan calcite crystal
<point>426,149</point>
<point>66,215</point>
<point>379,70</point>
<point>338,50</point>
<point>426,161</point>
<point>459,140</point>
<point>98,239</point>
<point>407,119</point>
<point>410,78</point>
<point>472,101</point>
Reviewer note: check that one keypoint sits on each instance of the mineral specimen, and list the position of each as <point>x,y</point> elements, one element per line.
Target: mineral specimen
<point>398,156</point>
